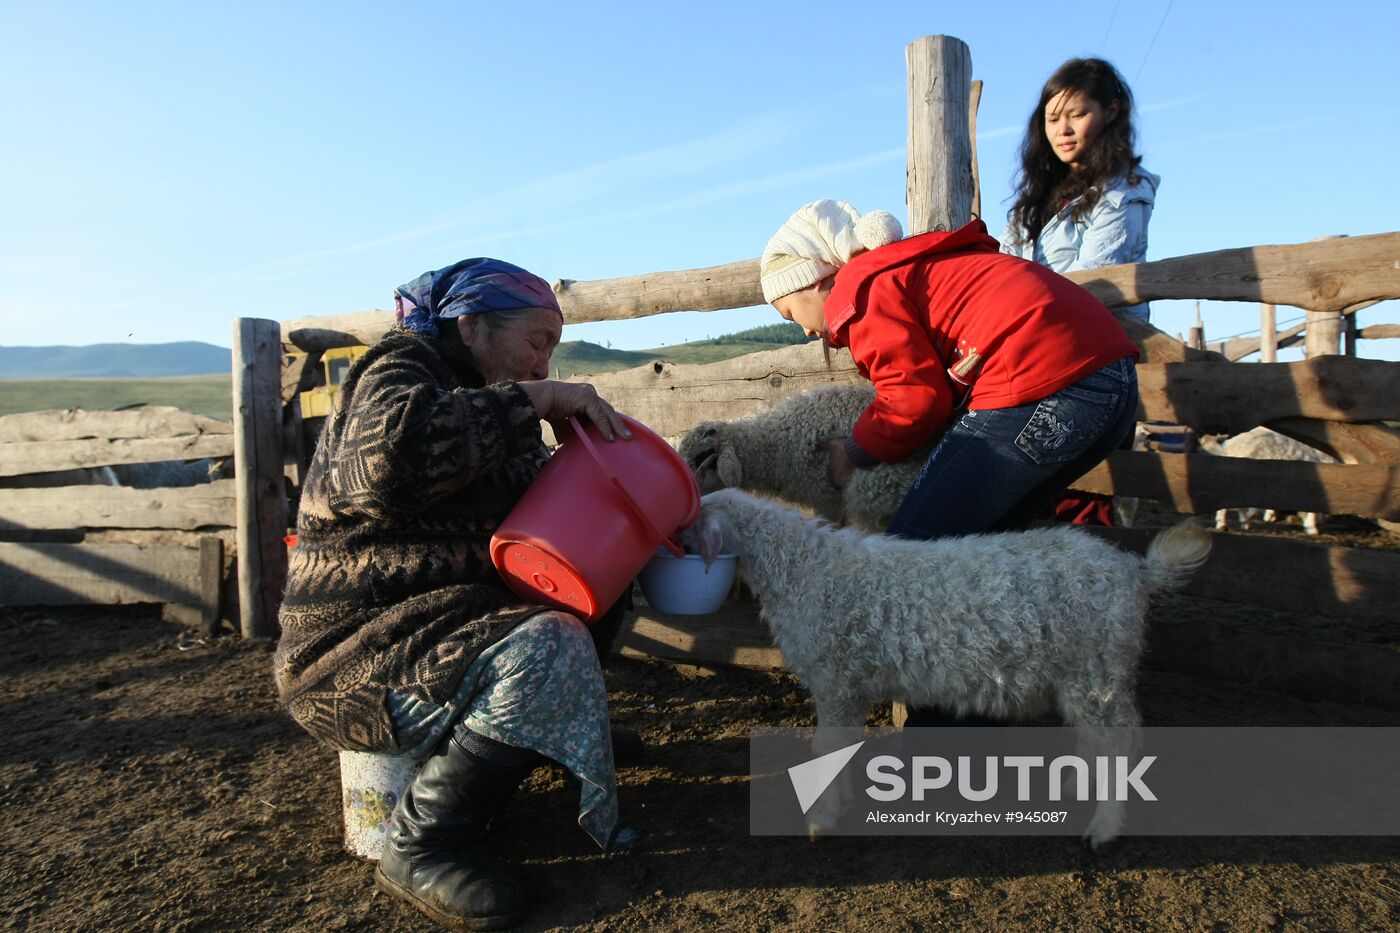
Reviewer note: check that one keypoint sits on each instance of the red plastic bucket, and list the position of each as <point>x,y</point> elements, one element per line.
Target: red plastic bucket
<point>593,518</point>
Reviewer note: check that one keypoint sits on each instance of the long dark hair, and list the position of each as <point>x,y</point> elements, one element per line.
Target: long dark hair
<point>1044,184</point>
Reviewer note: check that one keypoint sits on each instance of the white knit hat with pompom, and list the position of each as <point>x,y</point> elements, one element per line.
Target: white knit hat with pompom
<point>818,239</point>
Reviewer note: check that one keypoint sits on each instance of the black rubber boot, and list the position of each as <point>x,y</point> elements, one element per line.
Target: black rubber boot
<point>433,858</point>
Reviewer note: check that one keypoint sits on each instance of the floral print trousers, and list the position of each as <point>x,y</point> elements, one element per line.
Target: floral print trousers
<point>541,688</point>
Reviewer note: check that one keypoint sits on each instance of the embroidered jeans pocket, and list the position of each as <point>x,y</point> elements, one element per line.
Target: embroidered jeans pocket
<point>1066,424</point>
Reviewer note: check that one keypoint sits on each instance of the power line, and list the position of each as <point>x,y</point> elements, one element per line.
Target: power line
<point>1103,43</point>
<point>1154,39</point>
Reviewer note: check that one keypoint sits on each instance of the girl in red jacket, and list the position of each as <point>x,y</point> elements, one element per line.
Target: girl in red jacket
<point>1028,380</point>
<point>1026,377</point>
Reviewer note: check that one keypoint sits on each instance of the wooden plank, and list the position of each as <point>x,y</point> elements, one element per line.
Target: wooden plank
<point>1322,335</point>
<point>17,459</point>
<point>1349,443</point>
<point>72,424</point>
<point>974,101</point>
<point>1213,398</point>
<point>1194,483</point>
<point>326,332</point>
<point>1217,399</point>
<point>938,168</point>
<point>1378,332</point>
<point>710,288</point>
<point>210,504</point>
<point>261,498</point>
<point>1237,348</point>
<point>211,582</point>
<point>1325,275</point>
<point>98,574</point>
<point>300,371</point>
<point>1294,576</point>
<point>671,398</point>
<point>1268,334</point>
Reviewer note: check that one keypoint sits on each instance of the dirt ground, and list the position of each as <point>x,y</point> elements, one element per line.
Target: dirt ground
<point>149,781</point>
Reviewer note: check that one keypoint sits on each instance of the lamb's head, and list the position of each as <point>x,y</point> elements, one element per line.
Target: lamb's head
<point>710,452</point>
<point>712,533</point>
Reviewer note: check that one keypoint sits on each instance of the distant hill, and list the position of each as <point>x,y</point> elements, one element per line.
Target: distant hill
<point>115,361</point>
<point>156,360</point>
<point>580,357</point>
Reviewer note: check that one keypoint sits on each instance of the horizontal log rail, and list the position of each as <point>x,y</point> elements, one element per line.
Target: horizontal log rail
<point>18,459</point>
<point>1197,483</point>
<point>1211,398</point>
<point>184,509</point>
<point>75,424</point>
<point>1379,332</point>
<point>1349,443</point>
<point>1325,275</point>
<point>90,574</point>
<point>1229,399</point>
<point>48,441</point>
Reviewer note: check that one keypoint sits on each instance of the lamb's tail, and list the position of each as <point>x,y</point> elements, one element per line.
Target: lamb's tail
<point>1175,554</point>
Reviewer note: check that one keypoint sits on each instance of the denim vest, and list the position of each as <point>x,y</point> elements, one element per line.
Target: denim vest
<point>1112,233</point>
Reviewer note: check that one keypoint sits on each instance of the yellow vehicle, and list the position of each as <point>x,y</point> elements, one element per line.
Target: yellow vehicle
<point>316,403</point>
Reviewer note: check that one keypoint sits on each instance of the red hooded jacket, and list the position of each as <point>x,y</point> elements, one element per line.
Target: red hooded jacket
<point>944,315</point>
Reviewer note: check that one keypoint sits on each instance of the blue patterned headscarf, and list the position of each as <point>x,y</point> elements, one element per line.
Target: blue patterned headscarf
<point>472,286</point>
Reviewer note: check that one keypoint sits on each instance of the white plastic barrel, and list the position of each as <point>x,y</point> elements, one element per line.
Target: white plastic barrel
<point>370,787</point>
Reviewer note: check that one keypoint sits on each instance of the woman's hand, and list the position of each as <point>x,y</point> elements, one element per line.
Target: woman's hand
<point>838,466</point>
<point>556,402</point>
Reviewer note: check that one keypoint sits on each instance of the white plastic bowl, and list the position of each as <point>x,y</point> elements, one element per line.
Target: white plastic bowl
<point>680,585</point>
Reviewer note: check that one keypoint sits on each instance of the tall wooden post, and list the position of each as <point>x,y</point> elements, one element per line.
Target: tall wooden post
<point>1268,333</point>
<point>939,182</point>
<point>1323,336</point>
<point>974,99</point>
<point>261,499</point>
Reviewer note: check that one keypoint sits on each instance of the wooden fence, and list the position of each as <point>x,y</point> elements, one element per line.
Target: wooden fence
<point>1344,406</point>
<point>103,544</point>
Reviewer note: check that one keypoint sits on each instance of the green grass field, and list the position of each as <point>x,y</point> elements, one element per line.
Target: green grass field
<point>203,395</point>
<point>584,359</point>
<point>212,395</point>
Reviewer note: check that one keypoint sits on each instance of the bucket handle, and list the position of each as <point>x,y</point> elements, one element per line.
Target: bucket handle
<point>632,505</point>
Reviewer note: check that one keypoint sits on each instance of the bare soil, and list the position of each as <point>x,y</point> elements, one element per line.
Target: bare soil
<point>149,781</point>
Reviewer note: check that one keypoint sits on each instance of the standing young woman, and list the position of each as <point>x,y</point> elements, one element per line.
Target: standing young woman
<point>1083,200</point>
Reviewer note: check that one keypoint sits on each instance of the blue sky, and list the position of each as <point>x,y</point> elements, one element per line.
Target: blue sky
<point>166,168</point>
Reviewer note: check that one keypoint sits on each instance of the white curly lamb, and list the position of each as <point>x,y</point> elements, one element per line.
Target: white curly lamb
<point>776,452</point>
<point>1009,625</point>
<point>1264,444</point>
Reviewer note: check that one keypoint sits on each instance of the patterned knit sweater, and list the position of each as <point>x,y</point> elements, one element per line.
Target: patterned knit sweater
<point>391,585</point>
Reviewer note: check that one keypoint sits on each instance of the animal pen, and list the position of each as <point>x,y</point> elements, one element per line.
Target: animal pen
<point>1345,406</point>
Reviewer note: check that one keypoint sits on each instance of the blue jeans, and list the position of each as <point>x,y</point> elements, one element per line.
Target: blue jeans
<point>998,469</point>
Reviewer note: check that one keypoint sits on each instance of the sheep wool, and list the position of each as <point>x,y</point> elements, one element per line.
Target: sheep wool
<point>1010,625</point>
<point>775,452</point>
<point>1263,443</point>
